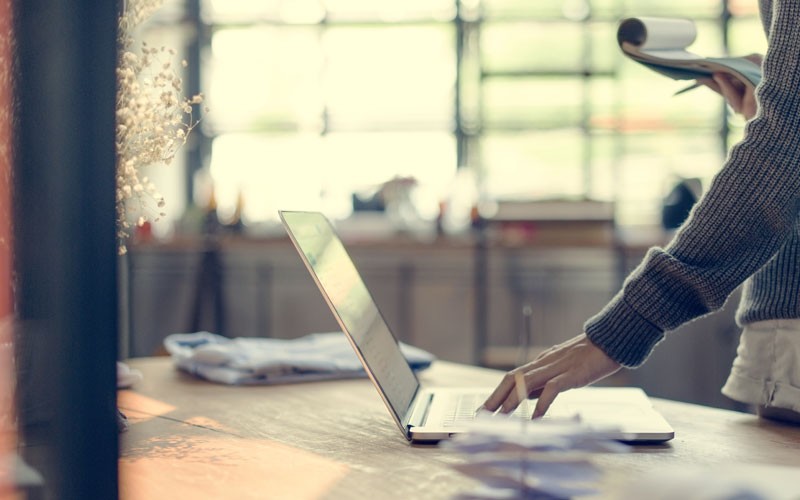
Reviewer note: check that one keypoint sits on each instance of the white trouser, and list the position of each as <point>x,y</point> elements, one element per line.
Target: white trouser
<point>766,371</point>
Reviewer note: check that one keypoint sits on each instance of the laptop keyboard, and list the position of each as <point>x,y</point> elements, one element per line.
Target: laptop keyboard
<point>466,404</point>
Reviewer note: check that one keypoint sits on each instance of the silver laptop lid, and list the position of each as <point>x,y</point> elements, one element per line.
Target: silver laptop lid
<point>355,310</point>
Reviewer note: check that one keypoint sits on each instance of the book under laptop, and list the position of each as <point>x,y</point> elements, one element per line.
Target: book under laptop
<point>430,413</point>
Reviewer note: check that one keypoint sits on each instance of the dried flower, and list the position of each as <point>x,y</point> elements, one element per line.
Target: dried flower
<point>154,119</point>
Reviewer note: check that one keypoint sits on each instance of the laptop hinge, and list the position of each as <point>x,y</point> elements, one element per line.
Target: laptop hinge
<point>421,408</point>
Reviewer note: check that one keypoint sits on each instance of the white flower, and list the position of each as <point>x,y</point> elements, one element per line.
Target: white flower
<point>153,120</point>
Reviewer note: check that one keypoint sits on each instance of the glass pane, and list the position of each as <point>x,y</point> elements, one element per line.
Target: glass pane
<point>539,103</point>
<point>322,172</point>
<point>600,9</point>
<point>746,36</point>
<point>275,86</point>
<point>607,9</point>
<point>357,160</point>
<point>247,11</point>
<point>388,75</point>
<point>315,11</point>
<point>603,51</point>
<point>515,46</point>
<point>605,96</point>
<point>575,10</point>
<point>556,110</point>
<point>509,9</point>
<point>166,12</point>
<point>522,46</point>
<point>604,152</point>
<point>694,9</point>
<point>652,163</point>
<point>390,10</point>
<point>533,164</point>
<point>648,102</point>
<point>271,172</point>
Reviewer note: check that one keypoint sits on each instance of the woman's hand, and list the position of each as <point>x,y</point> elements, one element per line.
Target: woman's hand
<point>739,96</point>
<point>575,363</point>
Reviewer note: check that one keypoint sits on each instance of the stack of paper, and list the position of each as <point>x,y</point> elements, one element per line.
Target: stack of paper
<point>531,459</point>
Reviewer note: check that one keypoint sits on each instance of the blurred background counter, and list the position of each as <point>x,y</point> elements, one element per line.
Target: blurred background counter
<point>460,298</point>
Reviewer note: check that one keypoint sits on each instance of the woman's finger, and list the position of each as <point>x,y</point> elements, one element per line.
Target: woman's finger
<point>710,83</point>
<point>501,392</point>
<point>549,393</point>
<point>733,94</point>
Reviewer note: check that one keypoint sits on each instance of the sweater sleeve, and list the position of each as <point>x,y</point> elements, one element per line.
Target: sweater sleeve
<point>741,222</point>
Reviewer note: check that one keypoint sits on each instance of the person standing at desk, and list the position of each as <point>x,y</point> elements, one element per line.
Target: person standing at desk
<point>745,229</point>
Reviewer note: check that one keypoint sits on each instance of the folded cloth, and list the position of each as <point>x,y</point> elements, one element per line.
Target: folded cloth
<point>241,361</point>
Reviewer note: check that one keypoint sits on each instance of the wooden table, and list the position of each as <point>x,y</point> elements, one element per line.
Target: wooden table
<point>194,439</point>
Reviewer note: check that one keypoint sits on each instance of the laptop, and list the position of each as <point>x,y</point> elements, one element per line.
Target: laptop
<point>430,414</point>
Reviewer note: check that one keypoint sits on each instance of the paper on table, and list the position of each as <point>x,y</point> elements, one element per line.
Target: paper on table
<point>502,434</point>
<point>505,470</point>
<point>531,458</point>
<point>718,482</point>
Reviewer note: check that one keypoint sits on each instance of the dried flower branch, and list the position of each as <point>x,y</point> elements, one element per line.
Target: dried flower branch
<point>154,119</point>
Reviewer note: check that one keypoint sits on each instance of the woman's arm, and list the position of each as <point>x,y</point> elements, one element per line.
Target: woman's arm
<point>740,223</point>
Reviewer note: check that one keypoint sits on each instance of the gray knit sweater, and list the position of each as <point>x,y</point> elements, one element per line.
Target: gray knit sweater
<point>745,229</point>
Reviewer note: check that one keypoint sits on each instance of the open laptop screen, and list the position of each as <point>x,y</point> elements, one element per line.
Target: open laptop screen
<point>346,294</point>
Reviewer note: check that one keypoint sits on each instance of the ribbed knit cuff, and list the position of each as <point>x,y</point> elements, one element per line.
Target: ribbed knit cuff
<point>623,334</point>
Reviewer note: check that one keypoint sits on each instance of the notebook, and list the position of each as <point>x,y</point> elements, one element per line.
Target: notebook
<point>431,413</point>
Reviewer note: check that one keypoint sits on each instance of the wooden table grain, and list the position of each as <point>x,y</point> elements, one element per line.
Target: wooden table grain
<point>335,440</point>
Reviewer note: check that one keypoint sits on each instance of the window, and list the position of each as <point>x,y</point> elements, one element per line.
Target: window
<point>314,100</point>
